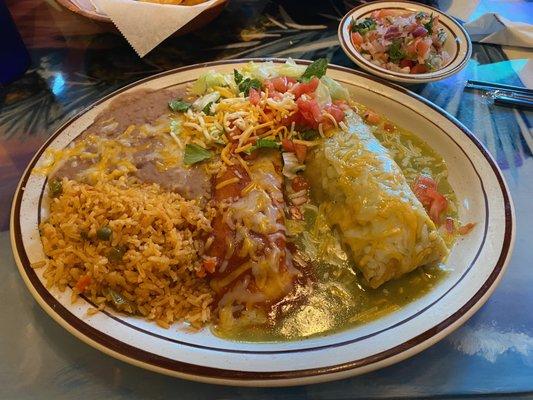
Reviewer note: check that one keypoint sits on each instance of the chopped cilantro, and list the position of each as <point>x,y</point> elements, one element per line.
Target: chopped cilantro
<point>309,134</point>
<point>248,84</point>
<point>421,15</point>
<point>207,109</point>
<point>441,35</point>
<point>55,187</point>
<point>237,76</point>
<point>395,51</point>
<point>175,126</point>
<point>316,68</point>
<point>364,26</point>
<point>429,25</point>
<point>178,105</point>
<point>263,144</point>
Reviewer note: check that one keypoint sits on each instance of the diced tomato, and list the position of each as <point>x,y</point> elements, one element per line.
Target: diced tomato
<point>449,225</point>
<point>372,118</point>
<point>289,119</point>
<point>300,88</point>
<point>299,183</point>
<point>281,84</point>
<point>250,157</point>
<point>340,103</point>
<point>411,47</point>
<point>290,81</point>
<point>465,229</point>
<point>209,264</point>
<point>427,181</point>
<point>357,39</point>
<point>268,85</point>
<point>82,283</point>
<point>335,111</point>
<point>425,189</point>
<point>254,96</point>
<point>287,145</point>
<point>419,69</point>
<point>407,63</point>
<point>278,85</point>
<point>388,127</point>
<point>301,152</point>
<point>384,13</point>
<point>438,205</point>
<point>309,111</point>
<point>422,47</point>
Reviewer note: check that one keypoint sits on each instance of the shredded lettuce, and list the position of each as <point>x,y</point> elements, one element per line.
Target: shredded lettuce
<point>291,69</point>
<point>336,90</point>
<point>269,70</point>
<point>208,81</point>
<point>203,101</point>
<point>323,95</point>
<point>175,127</point>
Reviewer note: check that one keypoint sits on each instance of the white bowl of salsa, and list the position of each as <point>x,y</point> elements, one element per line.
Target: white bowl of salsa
<point>404,42</point>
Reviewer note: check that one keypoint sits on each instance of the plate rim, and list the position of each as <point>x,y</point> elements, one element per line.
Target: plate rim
<point>398,76</point>
<point>275,378</point>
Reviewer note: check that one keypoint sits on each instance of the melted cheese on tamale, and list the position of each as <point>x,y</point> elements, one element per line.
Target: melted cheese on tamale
<point>257,218</point>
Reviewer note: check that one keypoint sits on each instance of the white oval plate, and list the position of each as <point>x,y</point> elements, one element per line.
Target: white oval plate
<point>457,45</point>
<point>476,262</point>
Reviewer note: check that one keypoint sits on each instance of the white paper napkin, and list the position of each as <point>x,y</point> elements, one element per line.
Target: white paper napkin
<point>145,25</point>
<point>492,28</point>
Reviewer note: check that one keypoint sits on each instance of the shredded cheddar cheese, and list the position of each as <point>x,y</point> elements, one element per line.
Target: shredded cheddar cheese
<point>331,118</point>
<point>244,165</point>
<point>224,154</point>
<point>226,183</point>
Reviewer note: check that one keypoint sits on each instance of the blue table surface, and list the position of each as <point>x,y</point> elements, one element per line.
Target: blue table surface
<point>76,61</point>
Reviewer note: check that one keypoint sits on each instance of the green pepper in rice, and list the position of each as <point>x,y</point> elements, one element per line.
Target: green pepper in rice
<point>104,233</point>
<point>55,187</point>
<point>116,253</point>
<point>119,301</point>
